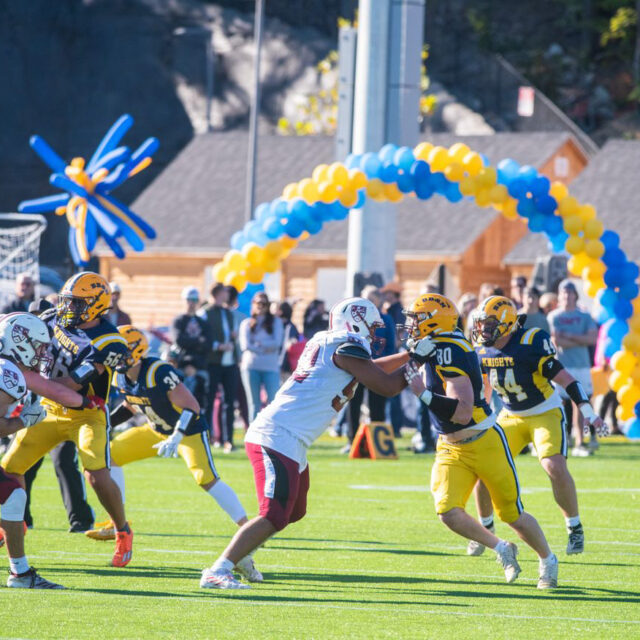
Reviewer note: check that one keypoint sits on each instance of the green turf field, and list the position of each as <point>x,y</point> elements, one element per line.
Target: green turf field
<point>370,560</point>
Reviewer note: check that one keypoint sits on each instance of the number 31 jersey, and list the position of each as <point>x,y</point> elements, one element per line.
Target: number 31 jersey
<point>515,372</point>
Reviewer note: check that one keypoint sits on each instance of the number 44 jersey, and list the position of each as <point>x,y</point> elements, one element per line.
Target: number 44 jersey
<point>308,401</point>
<point>515,372</point>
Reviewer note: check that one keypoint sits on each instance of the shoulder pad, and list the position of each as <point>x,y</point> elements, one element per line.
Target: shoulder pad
<point>150,376</point>
<point>12,381</point>
<point>528,335</point>
<point>354,350</point>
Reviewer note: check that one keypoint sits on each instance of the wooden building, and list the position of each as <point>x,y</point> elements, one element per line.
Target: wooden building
<point>197,203</point>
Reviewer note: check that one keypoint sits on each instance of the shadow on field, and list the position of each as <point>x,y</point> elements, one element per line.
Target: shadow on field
<point>404,552</point>
<point>188,573</point>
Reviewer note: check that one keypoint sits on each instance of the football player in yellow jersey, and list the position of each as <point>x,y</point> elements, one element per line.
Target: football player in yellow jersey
<point>520,365</point>
<point>175,427</point>
<point>471,445</point>
<point>85,349</point>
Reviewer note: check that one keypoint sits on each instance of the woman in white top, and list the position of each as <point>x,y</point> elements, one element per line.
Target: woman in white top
<point>260,339</point>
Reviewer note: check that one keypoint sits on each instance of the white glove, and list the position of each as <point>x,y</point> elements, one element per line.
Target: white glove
<point>591,418</point>
<point>423,349</point>
<point>169,448</point>
<point>32,413</point>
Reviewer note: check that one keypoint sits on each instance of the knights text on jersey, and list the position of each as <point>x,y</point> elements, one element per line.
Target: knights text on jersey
<point>149,395</point>
<point>307,402</point>
<point>515,370</point>
<point>12,382</point>
<point>455,357</point>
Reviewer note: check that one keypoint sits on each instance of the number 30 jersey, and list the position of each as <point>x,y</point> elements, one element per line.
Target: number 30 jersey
<point>308,401</point>
<point>149,395</point>
<point>515,372</point>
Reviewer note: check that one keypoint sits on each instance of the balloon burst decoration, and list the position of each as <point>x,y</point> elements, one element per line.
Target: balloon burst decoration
<point>457,173</point>
<point>91,209</point>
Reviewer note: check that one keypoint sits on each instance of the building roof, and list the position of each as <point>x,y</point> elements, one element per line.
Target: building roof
<point>197,203</point>
<point>609,184</point>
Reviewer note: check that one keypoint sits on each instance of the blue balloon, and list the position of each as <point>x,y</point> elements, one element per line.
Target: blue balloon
<point>602,315</point>
<point>633,429</point>
<point>278,208</point>
<point>313,226</point>
<point>262,211</point>
<point>439,182</point>
<point>238,241</point>
<point>607,298</point>
<point>452,192</point>
<point>324,211</point>
<point>387,153</point>
<point>610,240</point>
<point>552,225</point>
<point>631,271</point>
<point>485,160</point>
<point>339,212</point>
<point>507,170</point>
<point>558,242</point>
<point>618,330</point>
<point>371,165</point>
<point>353,161</point>
<point>629,291</point>
<point>404,158</point>
<point>388,173</point>
<point>526,207</point>
<point>614,277</point>
<point>272,228</point>
<point>536,223</point>
<point>528,174</point>
<point>293,227</point>
<point>614,258</point>
<point>623,309</point>
<point>424,189</point>
<point>254,233</point>
<point>540,186</point>
<point>420,170</point>
<point>546,205</point>
<point>405,183</point>
<point>517,188</point>
<point>362,198</point>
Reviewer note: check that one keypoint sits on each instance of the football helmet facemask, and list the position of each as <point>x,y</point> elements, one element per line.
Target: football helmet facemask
<point>430,313</point>
<point>495,318</point>
<point>356,315</point>
<point>137,343</point>
<point>83,298</point>
<point>25,339</point>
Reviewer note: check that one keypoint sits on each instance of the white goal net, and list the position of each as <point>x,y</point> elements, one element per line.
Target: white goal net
<point>19,249</point>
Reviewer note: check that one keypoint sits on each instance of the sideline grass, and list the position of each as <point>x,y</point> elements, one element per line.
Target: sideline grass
<point>370,560</point>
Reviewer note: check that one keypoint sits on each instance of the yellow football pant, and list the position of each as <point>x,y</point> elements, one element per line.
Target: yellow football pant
<point>546,431</point>
<point>137,444</point>
<point>458,466</point>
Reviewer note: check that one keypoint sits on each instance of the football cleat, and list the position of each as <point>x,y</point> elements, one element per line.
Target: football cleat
<point>476,548</point>
<point>581,451</point>
<point>220,579</point>
<point>509,563</point>
<point>124,549</point>
<point>102,531</point>
<point>575,544</point>
<point>247,569</point>
<point>30,580</point>
<point>548,578</point>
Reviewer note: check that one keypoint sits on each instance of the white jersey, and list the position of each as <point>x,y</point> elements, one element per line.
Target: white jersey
<point>308,401</point>
<point>12,382</point>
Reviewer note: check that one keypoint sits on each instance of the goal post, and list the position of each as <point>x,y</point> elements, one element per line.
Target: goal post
<point>20,235</point>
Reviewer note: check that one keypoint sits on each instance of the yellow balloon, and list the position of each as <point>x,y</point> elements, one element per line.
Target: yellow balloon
<point>422,151</point>
<point>617,380</point>
<point>235,261</point>
<point>290,191</point>
<point>271,265</point>
<point>487,177</point>
<point>623,361</point>
<point>558,190</point>
<point>375,189</point>
<point>320,173</point>
<point>438,159</point>
<point>308,189</point>
<point>236,280</point>
<point>629,394</point>
<point>635,374</point>
<point>573,225</point>
<point>594,270</point>
<point>593,228</point>
<point>253,253</point>
<point>634,322</point>
<point>636,305</point>
<point>357,179</point>
<point>458,151</point>
<point>392,193</point>
<point>569,206</point>
<point>577,263</point>
<point>593,287</point>
<point>348,198</point>
<point>587,212</point>
<point>328,192</point>
<point>624,413</point>
<point>574,245</point>
<point>472,163</point>
<point>483,197</point>
<point>254,274</point>
<point>288,243</point>
<point>631,342</point>
<point>467,186</point>
<point>274,248</point>
<point>499,194</point>
<point>510,209</point>
<point>454,172</point>
<point>219,272</point>
<point>338,174</point>
<point>594,249</point>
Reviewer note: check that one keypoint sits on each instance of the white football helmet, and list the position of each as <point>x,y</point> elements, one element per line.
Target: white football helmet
<point>356,315</point>
<point>24,338</point>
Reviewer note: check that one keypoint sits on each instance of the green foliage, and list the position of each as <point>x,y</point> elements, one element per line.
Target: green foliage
<point>370,559</point>
<point>622,26</point>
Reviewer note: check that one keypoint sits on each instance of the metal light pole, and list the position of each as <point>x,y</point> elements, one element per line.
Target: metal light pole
<point>258,27</point>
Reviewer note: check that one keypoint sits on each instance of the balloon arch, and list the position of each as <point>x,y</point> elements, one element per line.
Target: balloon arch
<point>456,173</point>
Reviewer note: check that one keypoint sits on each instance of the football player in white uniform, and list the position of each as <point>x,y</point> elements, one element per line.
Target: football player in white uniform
<point>328,372</point>
<point>24,339</point>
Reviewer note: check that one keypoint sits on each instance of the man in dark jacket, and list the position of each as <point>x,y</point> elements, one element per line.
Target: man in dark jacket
<point>191,334</point>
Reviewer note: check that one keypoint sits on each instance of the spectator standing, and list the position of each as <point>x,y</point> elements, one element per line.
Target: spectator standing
<point>518,285</point>
<point>548,303</point>
<point>290,334</point>
<point>315,319</point>
<point>222,363</point>
<point>392,306</point>
<point>531,306</point>
<point>116,316</point>
<point>573,332</point>
<point>25,295</point>
<point>260,340</point>
<point>191,333</point>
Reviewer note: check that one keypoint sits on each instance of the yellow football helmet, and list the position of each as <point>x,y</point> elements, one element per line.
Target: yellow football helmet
<point>495,318</point>
<point>137,342</point>
<point>429,314</point>
<point>84,297</point>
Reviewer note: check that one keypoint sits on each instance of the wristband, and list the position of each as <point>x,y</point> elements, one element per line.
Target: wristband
<point>576,392</point>
<point>185,420</point>
<point>587,411</point>
<point>442,406</point>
